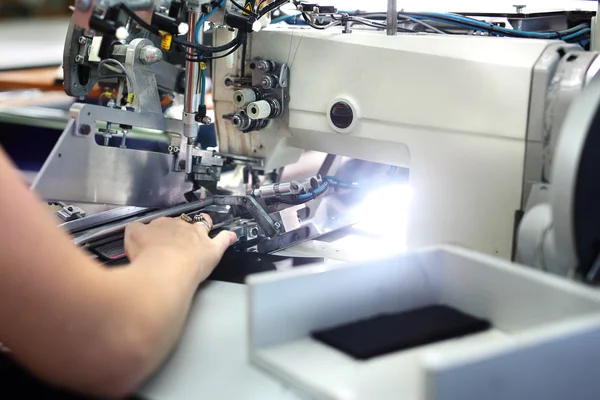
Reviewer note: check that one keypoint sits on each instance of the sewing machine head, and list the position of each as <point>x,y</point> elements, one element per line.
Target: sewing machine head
<point>473,118</point>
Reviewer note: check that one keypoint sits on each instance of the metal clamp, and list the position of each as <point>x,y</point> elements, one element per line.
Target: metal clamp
<point>70,213</point>
<point>266,223</point>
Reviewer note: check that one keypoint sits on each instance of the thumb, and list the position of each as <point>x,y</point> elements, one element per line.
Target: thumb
<point>223,240</point>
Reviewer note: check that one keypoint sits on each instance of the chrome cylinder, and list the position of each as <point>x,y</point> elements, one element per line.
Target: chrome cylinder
<point>276,189</point>
<point>192,69</point>
<point>392,17</point>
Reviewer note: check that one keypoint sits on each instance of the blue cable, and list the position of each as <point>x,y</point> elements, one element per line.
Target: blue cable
<point>199,26</point>
<point>486,26</point>
<point>473,24</point>
<point>461,21</point>
<point>203,19</point>
<point>338,182</point>
<point>574,35</point>
<point>315,193</point>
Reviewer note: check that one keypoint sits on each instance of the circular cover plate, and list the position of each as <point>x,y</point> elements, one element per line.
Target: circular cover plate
<point>575,195</point>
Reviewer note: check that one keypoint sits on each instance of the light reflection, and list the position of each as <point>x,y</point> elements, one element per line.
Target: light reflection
<point>384,215</point>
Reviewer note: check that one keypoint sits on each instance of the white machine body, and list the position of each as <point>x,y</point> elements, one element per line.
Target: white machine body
<point>452,109</point>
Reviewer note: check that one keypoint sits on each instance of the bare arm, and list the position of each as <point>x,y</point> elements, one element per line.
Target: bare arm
<point>78,325</point>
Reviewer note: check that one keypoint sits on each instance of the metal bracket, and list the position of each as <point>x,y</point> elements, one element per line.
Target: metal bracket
<point>267,224</point>
<point>70,213</point>
<point>79,170</point>
<point>146,96</point>
<point>78,79</point>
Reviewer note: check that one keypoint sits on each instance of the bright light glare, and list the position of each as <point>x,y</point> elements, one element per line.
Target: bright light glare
<point>384,213</point>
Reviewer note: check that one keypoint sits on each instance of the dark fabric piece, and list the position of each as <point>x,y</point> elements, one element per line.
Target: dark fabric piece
<point>389,333</point>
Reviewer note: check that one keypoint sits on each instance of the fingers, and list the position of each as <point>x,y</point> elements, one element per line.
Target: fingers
<point>131,243</point>
<point>132,227</point>
<point>205,225</point>
<point>223,240</point>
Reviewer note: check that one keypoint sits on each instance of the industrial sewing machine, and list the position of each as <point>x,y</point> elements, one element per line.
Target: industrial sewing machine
<point>474,119</point>
<point>489,128</point>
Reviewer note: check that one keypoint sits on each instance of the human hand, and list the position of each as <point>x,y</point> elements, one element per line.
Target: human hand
<point>184,242</point>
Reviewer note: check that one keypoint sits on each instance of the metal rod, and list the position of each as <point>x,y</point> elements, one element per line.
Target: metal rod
<point>119,226</point>
<point>392,17</point>
<point>102,218</point>
<point>192,69</point>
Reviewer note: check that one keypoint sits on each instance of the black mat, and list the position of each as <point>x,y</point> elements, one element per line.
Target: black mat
<point>389,333</point>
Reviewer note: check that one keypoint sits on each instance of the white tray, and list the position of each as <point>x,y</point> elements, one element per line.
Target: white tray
<point>545,341</point>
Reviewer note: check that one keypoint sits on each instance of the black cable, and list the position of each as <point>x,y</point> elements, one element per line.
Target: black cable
<point>243,71</point>
<point>242,41</point>
<point>231,51</point>
<point>138,20</point>
<point>476,25</point>
<point>310,23</point>
<point>198,47</point>
<point>251,13</point>
<point>320,27</point>
<point>362,21</point>
<point>207,49</point>
<point>290,202</point>
<point>260,4</point>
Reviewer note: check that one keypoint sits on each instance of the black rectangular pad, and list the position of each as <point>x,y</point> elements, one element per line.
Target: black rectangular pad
<point>389,333</point>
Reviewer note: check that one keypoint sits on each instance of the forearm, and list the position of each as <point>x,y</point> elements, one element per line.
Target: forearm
<point>77,324</point>
<point>163,285</point>
<point>107,342</point>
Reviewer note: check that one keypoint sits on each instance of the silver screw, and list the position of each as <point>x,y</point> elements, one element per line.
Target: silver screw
<point>82,40</point>
<point>107,137</point>
<point>150,55</point>
<point>237,121</point>
<point>123,142</point>
<point>277,225</point>
<point>206,120</point>
<point>264,66</point>
<point>519,7</point>
<point>79,59</point>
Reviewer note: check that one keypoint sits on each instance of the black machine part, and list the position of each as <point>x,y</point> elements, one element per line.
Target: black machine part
<point>586,210</point>
<point>79,79</point>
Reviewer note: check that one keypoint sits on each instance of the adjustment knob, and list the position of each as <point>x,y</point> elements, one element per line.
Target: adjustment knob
<point>241,121</point>
<point>259,109</point>
<point>269,82</point>
<point>244,96</point>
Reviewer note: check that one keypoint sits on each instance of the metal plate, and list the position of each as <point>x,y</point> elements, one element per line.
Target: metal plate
<point>81,171</point>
